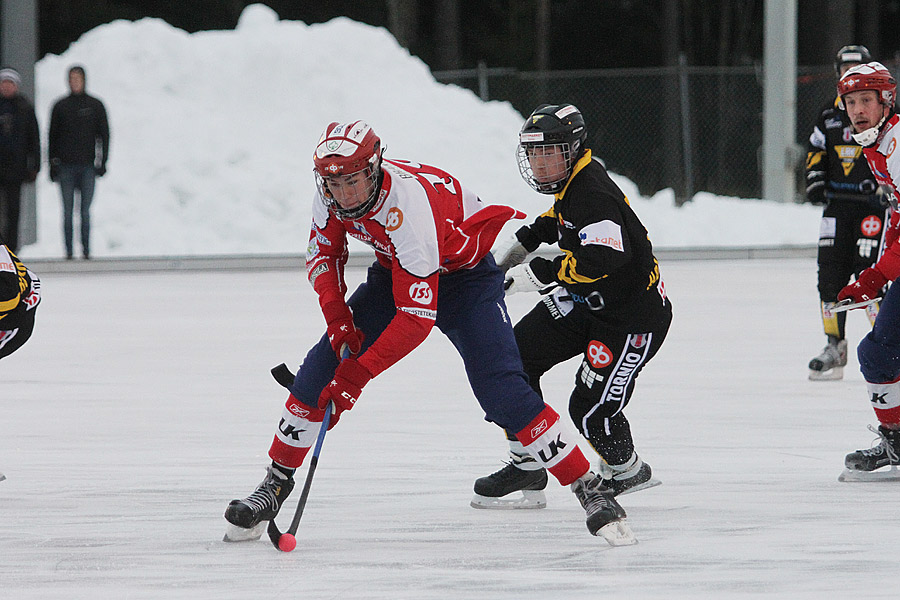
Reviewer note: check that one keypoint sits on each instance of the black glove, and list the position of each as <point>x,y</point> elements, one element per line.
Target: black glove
<point>817,196</point>
<point>100,171</point>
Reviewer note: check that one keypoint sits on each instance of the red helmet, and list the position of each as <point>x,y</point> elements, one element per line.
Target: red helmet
<point>344,149</point>
<point>869,76</point>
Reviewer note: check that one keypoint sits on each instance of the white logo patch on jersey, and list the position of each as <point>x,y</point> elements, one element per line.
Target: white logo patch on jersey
<point>827,228</point>
<point>6,261</point>
<point>604,233</point>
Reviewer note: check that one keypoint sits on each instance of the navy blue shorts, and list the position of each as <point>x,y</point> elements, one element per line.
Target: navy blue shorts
<point>471,312</point>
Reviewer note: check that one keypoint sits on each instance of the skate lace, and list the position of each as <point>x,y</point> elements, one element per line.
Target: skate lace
<point>263,497</point>
<point>884,446</point>
<point>509,471</point>
<point>592,499</point>
<point>830,356</point>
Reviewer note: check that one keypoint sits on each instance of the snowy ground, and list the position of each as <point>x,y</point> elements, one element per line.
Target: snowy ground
<point>143,404</point>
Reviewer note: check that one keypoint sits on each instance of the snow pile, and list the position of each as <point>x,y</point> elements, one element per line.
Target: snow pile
<point>212,136</point>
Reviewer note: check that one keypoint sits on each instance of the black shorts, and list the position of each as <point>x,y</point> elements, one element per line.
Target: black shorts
<point>612,355</point>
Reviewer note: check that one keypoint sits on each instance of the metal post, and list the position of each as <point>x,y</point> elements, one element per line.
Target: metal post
<point>482,81</point>
<point>687,146</point>
<point>18,49</point>
<point>779,100</point>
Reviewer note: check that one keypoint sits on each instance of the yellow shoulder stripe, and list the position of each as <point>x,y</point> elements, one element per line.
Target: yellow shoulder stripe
<point>569,274</point>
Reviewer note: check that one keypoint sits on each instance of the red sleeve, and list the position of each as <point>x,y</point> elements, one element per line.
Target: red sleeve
<point>416,301</point>
<point>326,256</point>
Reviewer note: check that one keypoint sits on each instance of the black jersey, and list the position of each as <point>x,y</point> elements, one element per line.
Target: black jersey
<point>607,263</point>
<point>19,290</point>
<point>835,164</point>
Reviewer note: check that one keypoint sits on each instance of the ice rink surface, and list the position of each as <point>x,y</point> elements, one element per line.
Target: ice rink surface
<point>143,404</point>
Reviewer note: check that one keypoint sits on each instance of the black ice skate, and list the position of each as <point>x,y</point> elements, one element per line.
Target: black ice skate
<point>829,365</point>
<point>492,491</point>
<point>248,517</point>
<point>605,517</point>
<point>633,476</point>
<point>863,465</point>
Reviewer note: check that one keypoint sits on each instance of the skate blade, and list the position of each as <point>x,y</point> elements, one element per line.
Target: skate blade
<point>617,533</point>
<point>853,476</point>
<point>242,534</point>
<point>832,374</point>
<point>528,499</point>
<point>652,482</point>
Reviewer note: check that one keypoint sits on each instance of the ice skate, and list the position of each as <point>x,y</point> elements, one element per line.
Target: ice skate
<point>632,476</point>
<point>869,464</point>
<point>499,490</point>
<point>247,518</point>
<point>605,517</point>
<point>829,365</point>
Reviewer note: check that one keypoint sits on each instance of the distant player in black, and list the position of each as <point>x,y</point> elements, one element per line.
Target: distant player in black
<point>604,300</point>
<point>20,293</point>
<point>853,222</point>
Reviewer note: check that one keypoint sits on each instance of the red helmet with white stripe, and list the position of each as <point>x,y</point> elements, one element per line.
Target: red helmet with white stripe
<point>869,76</point>
<point>347,164</point>
<point>875,77</point>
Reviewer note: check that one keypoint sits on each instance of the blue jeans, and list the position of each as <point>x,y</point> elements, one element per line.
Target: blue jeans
<point>80,177</point>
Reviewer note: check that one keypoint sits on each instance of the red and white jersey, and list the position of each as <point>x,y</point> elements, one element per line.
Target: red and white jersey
<point>424,223</point>
<point>884,160</point>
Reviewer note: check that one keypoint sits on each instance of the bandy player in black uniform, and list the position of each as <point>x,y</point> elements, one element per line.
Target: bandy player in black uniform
<point>853,222</point>
<point>604,300</point>
<point>20,293</point>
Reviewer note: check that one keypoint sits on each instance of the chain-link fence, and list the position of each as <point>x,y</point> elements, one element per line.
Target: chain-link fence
<point>687,128</point>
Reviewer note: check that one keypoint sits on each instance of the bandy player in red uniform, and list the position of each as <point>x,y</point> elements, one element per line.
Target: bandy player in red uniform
<point>433,268</point>
<point>868,92</point>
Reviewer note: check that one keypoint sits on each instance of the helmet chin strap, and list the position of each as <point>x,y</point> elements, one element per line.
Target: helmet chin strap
<point>867,137</point>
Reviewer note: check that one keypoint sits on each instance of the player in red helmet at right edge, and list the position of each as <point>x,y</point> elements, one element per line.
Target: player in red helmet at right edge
<point>433,268</point>
<point>868,92</point>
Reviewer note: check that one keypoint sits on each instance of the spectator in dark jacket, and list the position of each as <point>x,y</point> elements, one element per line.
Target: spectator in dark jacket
<point>79,147</point>
<point>20,153</point>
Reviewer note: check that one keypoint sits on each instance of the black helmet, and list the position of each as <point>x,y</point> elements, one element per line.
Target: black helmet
<point>855,55</point>
<point>551,125</point>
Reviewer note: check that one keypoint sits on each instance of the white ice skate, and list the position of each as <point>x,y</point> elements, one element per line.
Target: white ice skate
<point>829,365</point>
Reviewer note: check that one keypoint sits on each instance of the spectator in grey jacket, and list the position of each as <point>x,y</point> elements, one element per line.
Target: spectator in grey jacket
<point>20,153</point>
<point>79,148</point>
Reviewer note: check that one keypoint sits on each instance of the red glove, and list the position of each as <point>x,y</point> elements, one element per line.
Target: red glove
<point>341,329</point>
<point>866,287</point>
<point>349,379</point>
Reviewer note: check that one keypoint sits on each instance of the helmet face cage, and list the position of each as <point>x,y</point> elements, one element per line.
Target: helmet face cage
<point>348,161</point>
<point>366,196</point>
<point>551,132</point>
<point>557,158</point>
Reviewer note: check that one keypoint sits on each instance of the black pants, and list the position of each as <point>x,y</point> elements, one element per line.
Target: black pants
<point>12,340</point>
<point>10,203</point>
<point>850,237</point>
<point>612,358</point>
